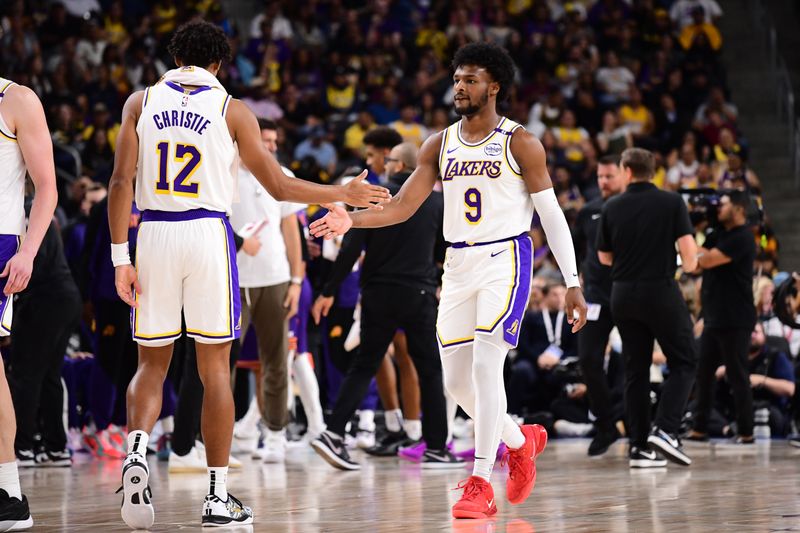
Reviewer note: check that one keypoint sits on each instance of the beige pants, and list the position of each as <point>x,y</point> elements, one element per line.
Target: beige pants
<point>263,307</point>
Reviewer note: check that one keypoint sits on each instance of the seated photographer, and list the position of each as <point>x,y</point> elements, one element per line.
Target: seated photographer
<point>772,382</point>
<point>728,312</point>
<point>546,339</point>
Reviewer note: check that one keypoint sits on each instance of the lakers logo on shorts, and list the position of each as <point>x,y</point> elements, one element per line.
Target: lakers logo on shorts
<point>513,329</point>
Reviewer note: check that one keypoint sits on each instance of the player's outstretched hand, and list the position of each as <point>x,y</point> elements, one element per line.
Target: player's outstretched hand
<point>18,271</point>
<point>361,193</point>
<point>575,302</point>
<point>127,282</point>
<point>336,222</point>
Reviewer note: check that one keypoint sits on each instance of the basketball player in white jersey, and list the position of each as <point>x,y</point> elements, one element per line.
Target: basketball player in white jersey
<point>25,146</point>
<point>493,173</point>
<point>179,140</point>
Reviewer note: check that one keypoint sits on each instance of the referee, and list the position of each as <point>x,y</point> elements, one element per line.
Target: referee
<point>399,278</point>
<point>637,236</point>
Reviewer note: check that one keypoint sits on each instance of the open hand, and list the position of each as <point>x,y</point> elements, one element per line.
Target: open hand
<point>336,222</point>
<point>361,193</point>
<point>124,278</point>
<point>321,307</point>
<point>18,271</point>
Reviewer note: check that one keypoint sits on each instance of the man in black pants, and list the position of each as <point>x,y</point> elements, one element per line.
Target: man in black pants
<point>729,315</point>
<point>45,315</point>
<point>637,236</point>
<point>398,279</point>
<point>593,338</point>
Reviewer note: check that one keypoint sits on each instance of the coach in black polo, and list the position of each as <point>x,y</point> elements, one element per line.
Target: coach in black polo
<point>637,235</point>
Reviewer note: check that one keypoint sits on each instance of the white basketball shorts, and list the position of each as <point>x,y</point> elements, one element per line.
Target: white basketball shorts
<point>186,260</point>
<point>485,286</point>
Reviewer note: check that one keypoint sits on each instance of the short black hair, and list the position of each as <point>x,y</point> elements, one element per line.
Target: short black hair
<point>738,197</point>
<point>495,59</point>
<point>267,124</point>
<point>199,44</point>
<point>641,162</point>
<point>609,159</point>
<point>383,137</point>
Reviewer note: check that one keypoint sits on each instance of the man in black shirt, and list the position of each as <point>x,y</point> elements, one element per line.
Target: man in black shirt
<point>728,313</point>
<point>637,236</point>
<point>399,278</point>
<point>593,338</point>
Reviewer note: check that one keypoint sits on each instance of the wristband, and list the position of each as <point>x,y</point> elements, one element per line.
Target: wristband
<point>296,280</point>
<point>120,255</point>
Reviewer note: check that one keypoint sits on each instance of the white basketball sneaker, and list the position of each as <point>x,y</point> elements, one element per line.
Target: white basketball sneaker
<point>274,450</point>
<point>137,508</point>
<point>218,513</point>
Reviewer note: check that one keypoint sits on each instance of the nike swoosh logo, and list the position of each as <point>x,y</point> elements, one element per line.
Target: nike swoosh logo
<point>490,503</point>
<point>650,455</point>
<point>494,254</point>
<point>595,216</point>
<point>452,150</point>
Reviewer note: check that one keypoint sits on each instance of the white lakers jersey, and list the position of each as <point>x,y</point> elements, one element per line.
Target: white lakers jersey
<point>485,198</point>
<point>12,177</point>
<point>187,159</point>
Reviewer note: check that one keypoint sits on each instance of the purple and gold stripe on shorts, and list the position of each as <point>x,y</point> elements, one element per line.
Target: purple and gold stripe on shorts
<point>522,291</point>
<point>9,244</point>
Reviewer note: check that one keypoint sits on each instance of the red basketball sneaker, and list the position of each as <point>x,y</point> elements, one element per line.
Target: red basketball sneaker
<point>522,463</point>
<point>477,500</point>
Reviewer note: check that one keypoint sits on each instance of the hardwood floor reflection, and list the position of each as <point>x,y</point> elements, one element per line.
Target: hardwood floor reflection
<point>724,490</point>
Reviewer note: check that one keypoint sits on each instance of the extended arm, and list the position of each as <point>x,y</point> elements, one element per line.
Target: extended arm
<point>529,154</point>
<point>245,132</point>
<point>23,113</point>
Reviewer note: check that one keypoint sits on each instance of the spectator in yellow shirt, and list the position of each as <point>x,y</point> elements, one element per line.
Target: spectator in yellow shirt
<point>635,116</point>
<point>354,135</point>
<point>690,32</point>
<point>408,126</point>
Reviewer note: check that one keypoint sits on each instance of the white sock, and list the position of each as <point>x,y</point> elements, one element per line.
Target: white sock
<point>9,479</point>
<point>483,467</point>
<point>217,478</point>
<point>413,429</point>
<point>168,424</point>
<point>366,420</point>
<point>137,442</point>
<point>306,381</point>
<point>513,439</point>
<point>394,420</point>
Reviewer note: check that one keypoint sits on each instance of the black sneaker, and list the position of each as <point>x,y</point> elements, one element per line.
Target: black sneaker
<point>26,458</point>
<point>14,513</point>
<point>602,441</point>
<point>54,459</point>
<point>218,513</point>
<point>795,441</point>
<point>640,458</point>
<point>331,448</point>
<point>669,445</point>
<point>390,444</point>
<point>440,460</point>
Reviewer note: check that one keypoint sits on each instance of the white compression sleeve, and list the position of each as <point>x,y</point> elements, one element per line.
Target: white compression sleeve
<point>558,235</point>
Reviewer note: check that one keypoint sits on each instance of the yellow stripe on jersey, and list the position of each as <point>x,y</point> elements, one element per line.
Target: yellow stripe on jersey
<point>7,136</point>
<point>510,297</point>
<point>6,86</point>
<point>453,342</point>
<point>508,151</point>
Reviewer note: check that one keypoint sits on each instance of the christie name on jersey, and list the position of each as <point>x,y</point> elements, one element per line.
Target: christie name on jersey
<point>181,119</point>
<point>471,168</point>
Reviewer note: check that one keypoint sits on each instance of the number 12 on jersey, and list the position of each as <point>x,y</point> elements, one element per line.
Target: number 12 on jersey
<point>187,154</point>
<point>472,200</point>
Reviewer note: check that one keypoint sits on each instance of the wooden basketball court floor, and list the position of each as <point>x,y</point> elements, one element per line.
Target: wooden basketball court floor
<point>757,489</point>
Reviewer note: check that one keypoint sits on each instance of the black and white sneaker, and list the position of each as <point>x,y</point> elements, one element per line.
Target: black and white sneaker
<point>669,445</point>
<point>218,513</point>
<point>440,460</point>
<point>794,441</point>
<point>331,448</point>
<point>389,445</point>
<point>640,458</point>
<point>26,458</point>
<point>54,459</point>
<point>14,513</point>
<point>137,506</point>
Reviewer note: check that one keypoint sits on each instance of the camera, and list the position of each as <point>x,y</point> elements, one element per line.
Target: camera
<point>703,206</point>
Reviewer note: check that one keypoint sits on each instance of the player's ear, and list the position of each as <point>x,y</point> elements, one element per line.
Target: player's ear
<point>494,89</point>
